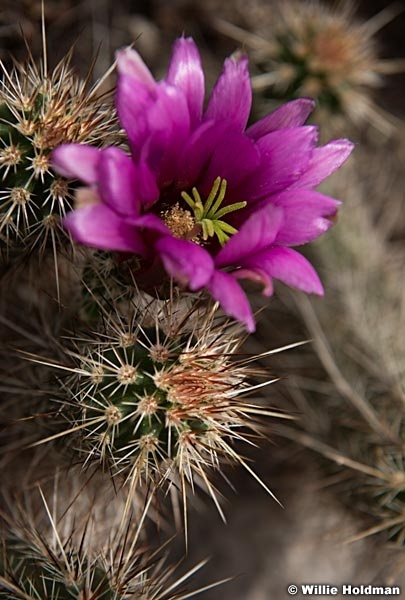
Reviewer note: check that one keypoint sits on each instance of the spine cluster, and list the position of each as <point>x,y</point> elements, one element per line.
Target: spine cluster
<point>39,110</point>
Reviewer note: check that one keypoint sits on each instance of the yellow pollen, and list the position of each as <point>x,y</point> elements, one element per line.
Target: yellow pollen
<point>208,214</point>
<point>181,223</point>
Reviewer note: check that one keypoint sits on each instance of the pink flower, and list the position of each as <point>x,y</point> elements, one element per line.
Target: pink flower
<point>201,198</point>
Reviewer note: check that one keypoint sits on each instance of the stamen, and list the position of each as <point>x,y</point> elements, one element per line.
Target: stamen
<point>181,223</point>
<point>208,215</point>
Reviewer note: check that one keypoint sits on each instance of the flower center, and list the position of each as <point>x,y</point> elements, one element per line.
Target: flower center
<point>181,223</point>
<point>202,219</point>
<point>209,214</point>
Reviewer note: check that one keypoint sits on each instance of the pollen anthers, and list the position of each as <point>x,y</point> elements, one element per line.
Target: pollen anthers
<point>181,223</point>
<point>208,215</point>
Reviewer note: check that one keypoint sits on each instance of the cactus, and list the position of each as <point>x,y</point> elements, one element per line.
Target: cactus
<point>158,394</point>
<point>139,394</point>
<point>325,52</point>
<point>39,110</point>
<point>29,571</point>
<point>61,561</point>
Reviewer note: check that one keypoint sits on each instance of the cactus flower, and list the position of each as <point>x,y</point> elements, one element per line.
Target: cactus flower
<point>203,198</point>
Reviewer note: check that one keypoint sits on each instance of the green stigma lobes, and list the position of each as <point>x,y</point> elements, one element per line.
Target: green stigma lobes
<point>209,214</point>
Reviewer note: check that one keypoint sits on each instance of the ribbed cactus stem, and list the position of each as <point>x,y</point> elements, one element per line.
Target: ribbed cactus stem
<point>38,112</point>
<point>140,398</point>
<point>158,394</point>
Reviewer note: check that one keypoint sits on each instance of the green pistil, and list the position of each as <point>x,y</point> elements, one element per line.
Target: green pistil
<point>209,214</point>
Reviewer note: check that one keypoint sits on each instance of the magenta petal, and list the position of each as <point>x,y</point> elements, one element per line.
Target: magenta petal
<point>169,126</point>
<point>99,227</point>
<point>285,156</point>
<point>186,262</point>
<point>259,276</point>
<point>292,114</point>
<point>133,101</point>
<point>185,72</point>
<point>288,266</point>
<point>257,233</point>
<point>117,181</point>
<point>155,121</point>
<point>152,223</point>
<point>130,63</point>
<point>124,185</point>
<point>235,158</point>
<point>231,97</point>
<point>76,161</point>
<point>197,152</point>
<point>325,161</point>
<point>306,216</point>
<point>232,298</point>
<point>147,188</point>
